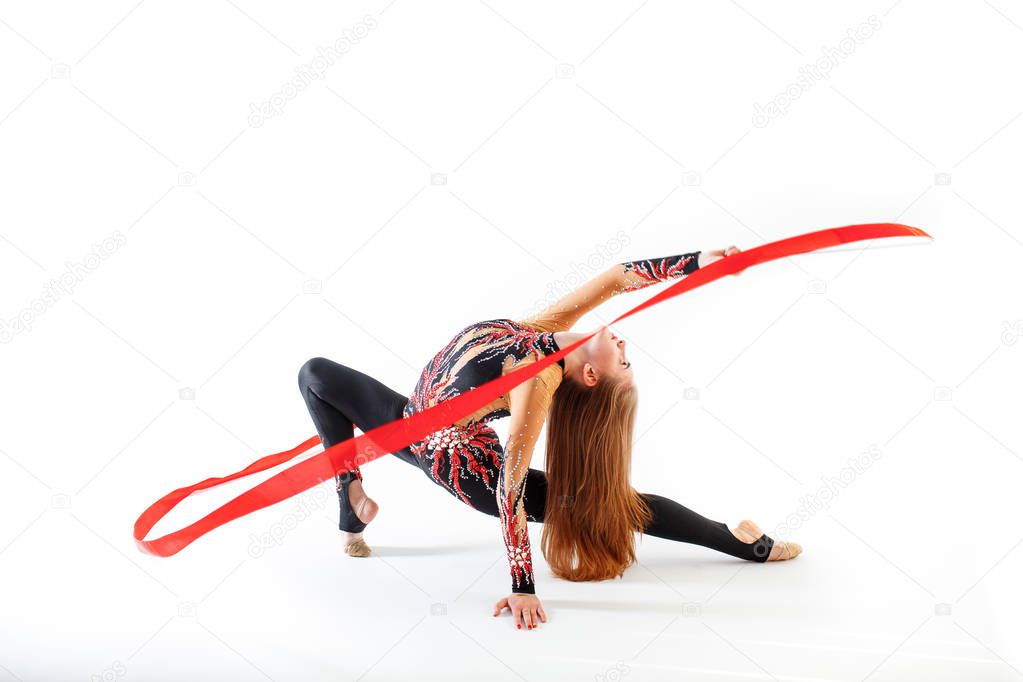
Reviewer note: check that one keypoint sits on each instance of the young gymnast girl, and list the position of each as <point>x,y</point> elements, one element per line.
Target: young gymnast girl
<point>589,510</point>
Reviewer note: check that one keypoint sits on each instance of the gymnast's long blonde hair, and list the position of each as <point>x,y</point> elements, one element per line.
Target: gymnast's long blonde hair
<point>592,511</point>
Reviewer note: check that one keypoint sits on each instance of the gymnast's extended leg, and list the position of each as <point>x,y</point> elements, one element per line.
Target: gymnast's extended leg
<point>339,399</point>
<point>672,521</point>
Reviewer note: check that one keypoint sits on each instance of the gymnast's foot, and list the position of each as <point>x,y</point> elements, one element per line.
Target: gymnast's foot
<point>366,509</point>
<point>749,532</point>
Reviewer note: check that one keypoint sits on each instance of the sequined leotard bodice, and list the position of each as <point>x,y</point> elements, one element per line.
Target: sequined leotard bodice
<point>467,458</point>
<point>477,354</point>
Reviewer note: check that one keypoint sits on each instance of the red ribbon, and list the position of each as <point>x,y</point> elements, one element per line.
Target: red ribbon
<point>385,439</point>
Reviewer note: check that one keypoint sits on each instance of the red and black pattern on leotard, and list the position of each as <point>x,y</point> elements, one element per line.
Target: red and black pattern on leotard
<point>492,341</point>
<point>661,269</point>
<point>459,452</point>
<point>468,460</point>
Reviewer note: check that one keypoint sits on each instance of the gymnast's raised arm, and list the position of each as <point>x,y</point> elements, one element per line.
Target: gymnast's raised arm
<point>619,278</point>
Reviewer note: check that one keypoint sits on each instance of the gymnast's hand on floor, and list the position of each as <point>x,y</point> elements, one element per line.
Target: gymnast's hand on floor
<point>706,257</point>
<point>525,607</point>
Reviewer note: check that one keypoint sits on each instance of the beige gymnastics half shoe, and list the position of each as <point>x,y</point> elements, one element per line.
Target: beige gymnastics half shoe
<point>356,546</point>
<point>789,550</point>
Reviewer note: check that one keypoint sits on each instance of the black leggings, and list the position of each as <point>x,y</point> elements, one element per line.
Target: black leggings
<point>340,398</point>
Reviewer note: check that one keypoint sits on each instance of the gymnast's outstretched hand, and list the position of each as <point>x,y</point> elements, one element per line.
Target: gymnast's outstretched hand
<point>706,257</point>
<point>525,607</point>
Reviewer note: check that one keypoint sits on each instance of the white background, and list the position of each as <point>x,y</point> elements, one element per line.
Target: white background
<point>249,249</point>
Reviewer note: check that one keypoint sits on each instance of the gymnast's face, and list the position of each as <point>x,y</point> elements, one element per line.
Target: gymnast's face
<point>605,358</point>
